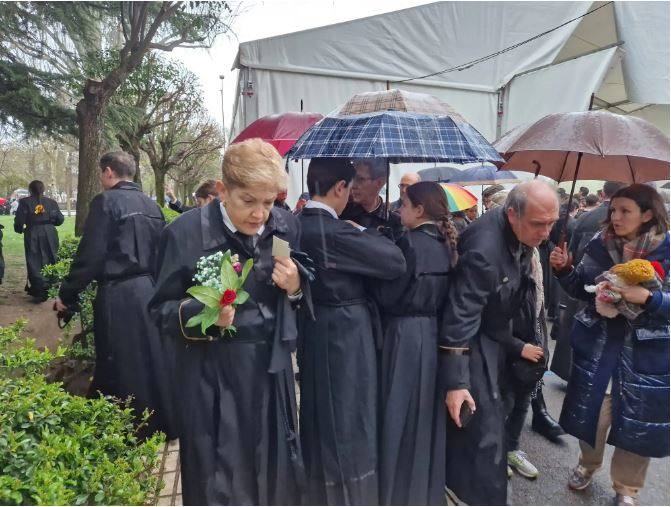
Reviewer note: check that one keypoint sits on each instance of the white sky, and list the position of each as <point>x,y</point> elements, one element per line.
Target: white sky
<point>259,19</point>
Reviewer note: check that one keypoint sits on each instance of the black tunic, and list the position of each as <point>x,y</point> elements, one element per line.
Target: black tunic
<point>237,408</point>
<point>483,297</point>
<point>412,426</point>
<point>338,359</point>
<point>118,250</point>
<point>40,238</point>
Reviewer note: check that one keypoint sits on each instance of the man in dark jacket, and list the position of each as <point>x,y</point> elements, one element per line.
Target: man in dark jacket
<point>485,293</point>
<point>366,207</point>
<point>118,250</point>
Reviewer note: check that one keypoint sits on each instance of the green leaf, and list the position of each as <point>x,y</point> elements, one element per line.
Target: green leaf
<point>195,320</point>
<point>246,269</point>
<point>241,298</point>
<point>210,316</point>
<point>229,278</point>
<point>207,295</point>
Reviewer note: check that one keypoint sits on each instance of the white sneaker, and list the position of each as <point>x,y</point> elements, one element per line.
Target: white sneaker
<point>519,461</point>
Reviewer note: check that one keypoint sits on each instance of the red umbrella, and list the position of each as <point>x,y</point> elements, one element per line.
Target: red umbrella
<point>2,200</point>
<point>280,130</point>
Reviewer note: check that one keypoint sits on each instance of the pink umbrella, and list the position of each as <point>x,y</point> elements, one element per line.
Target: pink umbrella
<point>597,144</point>
<point>280,130</point>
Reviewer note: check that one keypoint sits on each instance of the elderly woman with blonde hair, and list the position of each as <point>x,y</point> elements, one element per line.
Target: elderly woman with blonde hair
<point>235,392</point>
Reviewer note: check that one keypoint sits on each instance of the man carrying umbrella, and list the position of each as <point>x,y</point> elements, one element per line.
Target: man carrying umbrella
<point>366,207</point>
<point>484,296</point>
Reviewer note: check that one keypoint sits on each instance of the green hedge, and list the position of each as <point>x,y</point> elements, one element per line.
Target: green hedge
<point>169,214</point>
<point>60,449</point>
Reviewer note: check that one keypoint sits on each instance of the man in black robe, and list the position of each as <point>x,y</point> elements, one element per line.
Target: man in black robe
<point>118,250</point>
<point>366,207</point>
<point>338,362</point>
<point>484,296</point>
<point>37,218</point>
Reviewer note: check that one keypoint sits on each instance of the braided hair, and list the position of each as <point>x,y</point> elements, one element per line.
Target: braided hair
<point>432,197</point>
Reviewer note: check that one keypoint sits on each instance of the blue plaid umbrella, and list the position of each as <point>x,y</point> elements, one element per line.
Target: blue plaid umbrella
<point>397,136</point>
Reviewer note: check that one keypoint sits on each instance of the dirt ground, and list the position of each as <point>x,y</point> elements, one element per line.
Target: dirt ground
<point>15,303</point>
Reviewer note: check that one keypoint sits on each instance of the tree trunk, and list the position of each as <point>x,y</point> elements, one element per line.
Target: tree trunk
<point>90,111</point>
<point>159,179</point>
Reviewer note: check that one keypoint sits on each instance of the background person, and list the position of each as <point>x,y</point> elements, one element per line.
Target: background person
<point>36,218</point>
<point>406,180</point>
<point>619,384</point>
<point>204,194</point>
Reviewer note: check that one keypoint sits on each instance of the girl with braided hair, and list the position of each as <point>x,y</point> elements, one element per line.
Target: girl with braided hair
<point>412,423</point>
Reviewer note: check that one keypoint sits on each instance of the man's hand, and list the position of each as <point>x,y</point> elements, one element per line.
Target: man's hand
<point>59,306</point>
<point>634,294</point>
<point>561,258</point>
<point>226,316</point>
<point>454,400</point>
<point>285,275</point>
<point>171,195</point>
<point>532,352</point>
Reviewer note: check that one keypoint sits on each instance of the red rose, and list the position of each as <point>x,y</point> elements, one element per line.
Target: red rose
<point>659,269</point>
<point>228,297</point>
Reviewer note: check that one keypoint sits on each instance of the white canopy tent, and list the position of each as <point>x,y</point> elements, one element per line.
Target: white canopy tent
<point>620,52</point>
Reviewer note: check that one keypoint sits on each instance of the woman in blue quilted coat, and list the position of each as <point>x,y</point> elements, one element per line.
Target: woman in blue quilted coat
<point>618,391</point>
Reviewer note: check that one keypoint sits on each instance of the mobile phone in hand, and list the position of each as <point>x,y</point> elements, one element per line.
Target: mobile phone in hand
<point>465,414</point>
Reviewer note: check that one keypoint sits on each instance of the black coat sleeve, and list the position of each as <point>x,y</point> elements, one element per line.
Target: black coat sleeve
<point>88,262</point>
<point>176,206</point>
<point>171,307</point>
<point>367,253</point>
<point>388,293</point>
<point>55,215</point>
<point>21,217</point>
<point>473,281</point>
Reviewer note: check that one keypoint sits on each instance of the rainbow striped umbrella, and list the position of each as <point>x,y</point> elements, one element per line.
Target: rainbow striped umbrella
<point>458,198</point>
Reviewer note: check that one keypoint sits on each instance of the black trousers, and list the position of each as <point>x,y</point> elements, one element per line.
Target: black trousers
<point>517,399</point>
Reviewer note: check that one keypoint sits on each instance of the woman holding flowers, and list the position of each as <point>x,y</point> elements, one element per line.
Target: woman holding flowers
<point>412,424</point>
<point>618,390</point>
<point>37,218</point>
<point>233,335</point>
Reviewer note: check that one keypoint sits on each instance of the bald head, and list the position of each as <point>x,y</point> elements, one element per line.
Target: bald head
<point>532,208</point>
<point>406,180</point>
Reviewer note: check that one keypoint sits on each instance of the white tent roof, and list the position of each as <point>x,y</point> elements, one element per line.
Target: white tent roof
<point>324,66</point>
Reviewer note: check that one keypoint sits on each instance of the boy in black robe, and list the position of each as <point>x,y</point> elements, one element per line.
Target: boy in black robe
<point>118,250</point>
<point>37,218</point>
<point>338,357</point>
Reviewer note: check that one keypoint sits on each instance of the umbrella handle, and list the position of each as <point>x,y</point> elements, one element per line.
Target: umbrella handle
<point>538,168</point>
<point>388,213</point>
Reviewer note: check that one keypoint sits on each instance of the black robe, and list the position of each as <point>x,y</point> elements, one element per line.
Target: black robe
<point>373,219</point>
<point>338,361</point>
<point>118,250</point>
<point>412,425</point>
<point>237,408</point>
<point>483,297</point>
<point>40,238</point>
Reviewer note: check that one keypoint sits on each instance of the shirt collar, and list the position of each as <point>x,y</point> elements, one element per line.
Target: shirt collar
<point>321,205</point>
<point>229,224</point>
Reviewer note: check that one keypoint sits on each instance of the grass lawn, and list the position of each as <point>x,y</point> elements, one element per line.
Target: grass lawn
<point>12,243</point>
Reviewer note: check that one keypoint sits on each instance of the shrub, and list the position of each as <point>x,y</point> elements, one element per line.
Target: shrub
<point>169,214</point>
<point>59,449</point>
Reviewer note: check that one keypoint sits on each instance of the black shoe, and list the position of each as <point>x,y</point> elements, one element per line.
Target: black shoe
<point>542,422</point>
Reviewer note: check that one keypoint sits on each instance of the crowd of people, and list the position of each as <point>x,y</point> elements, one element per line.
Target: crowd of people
<point>421,338</point>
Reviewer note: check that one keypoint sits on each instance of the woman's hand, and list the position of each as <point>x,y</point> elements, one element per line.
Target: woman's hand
<point>226,316</point>
<point>560,258</point>
<point>532,352</point>
<point>632,294</point>
<point>285,275</point>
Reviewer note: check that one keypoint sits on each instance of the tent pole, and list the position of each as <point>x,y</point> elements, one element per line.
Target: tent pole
<point>302,166</point>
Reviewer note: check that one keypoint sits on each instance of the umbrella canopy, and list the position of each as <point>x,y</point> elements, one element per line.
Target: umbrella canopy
<point>397,136</point>
<point>280,130</point>
<point>478,175</point>
<point>458,198</point>
<point>398,100</point>
<point>597,144</point>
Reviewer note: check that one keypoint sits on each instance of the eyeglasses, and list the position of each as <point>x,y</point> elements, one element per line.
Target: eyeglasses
<point>401,186</point>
